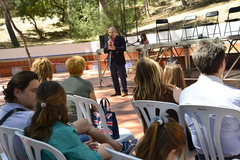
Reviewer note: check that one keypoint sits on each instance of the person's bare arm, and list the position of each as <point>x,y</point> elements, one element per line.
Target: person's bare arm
<point>93,97</point>
<point>84,127</point>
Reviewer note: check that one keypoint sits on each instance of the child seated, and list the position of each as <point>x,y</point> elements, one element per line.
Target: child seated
<point>164,140</point>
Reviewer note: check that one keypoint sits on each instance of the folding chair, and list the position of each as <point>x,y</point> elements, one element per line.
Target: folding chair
<point>86,103</point>
<point>34,147</point>
<point>189,24</point>
<point>7,135</point>
<point>162,25</point>
<point>115,155</point>
<point>211,19</point>
<point>207,122</point>
<point>231,18</point>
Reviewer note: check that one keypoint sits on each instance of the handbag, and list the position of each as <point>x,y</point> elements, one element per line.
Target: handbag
<point>110,119</point>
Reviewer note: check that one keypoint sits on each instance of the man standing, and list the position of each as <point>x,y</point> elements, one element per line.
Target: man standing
<point>209,57</point>
<point>115,48</point>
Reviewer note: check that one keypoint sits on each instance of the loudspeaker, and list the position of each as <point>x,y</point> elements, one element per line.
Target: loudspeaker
<point>102,40</point>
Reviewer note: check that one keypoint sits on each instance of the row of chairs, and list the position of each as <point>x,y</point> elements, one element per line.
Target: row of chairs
<point>201,116</point>
<point>190,30</point>
<point>33,148</point>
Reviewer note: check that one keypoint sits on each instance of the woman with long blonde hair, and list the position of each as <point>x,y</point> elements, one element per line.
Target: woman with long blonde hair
<point>164,140</point>
<point>149,85</point>
<point>43,68</point>
<point>173,74</point>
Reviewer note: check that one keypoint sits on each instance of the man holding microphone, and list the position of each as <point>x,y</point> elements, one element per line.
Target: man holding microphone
<point>115,48</point>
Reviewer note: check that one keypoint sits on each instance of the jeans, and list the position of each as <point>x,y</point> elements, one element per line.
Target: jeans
<point>119,70</point>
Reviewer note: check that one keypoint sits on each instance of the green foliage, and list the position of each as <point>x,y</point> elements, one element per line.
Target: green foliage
<point>84,20</point>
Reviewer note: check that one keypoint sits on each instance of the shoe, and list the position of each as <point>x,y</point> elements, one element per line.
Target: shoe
<point>124,94</point>
<point>128,146</point>
<point>115,94</point>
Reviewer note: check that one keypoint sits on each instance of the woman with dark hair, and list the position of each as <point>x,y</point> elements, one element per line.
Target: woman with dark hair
<point>144,39</point>
<point>20,100</point>
<point>164,140</point>
<point>49,124</point>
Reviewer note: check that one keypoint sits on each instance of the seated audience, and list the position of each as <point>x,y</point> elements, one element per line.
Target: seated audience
<point>43,68</point>
<point>149,86</point>
<point>209,57</point>
<point>173,74</point>
<point>164,140</point>
<point>50,124</point>
<point>75,85</point>
<point>20,93</point>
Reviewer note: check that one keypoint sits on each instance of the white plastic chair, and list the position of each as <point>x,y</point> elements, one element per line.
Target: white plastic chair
<point>34,147</point>
<point>80,114</point>
<point>6,138</point>
<point>149,109</point>
<point>202,119</point>
<point>115,155</point>
<point>86,103</point>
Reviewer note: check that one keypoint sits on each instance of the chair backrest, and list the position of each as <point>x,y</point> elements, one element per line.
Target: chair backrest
<point>115,155</point>
<point>34,147</point>
<point>150,109</point>
<point>190,20</point>
<point>162,25</point>
<point>71,98</point>
<point>212,15</point>
<point>162,21</point>
<point>7,141</point>
<point>233,10</point>
<point>203,118</point>
<point>85,104</point>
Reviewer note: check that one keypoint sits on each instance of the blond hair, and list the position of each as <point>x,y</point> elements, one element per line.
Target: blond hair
<point>173,74</point>
<point>148,80</point>
<point>75,65</point>
<point>43,68</point>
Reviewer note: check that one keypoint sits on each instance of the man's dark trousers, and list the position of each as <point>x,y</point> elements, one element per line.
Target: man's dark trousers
<point>119,70</point>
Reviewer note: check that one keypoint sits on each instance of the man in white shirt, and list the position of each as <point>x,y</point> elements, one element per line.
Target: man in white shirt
<point>209,57</point>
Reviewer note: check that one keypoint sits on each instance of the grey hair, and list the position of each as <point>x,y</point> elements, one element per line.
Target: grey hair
<point>112,29</point>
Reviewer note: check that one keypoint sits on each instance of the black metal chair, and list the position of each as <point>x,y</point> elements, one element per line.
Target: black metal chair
<point>232,17</point>
<point>189,24</point>
<point>211,19</point>
<point>162,25</point>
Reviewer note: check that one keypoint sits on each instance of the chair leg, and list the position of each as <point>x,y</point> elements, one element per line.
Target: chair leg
<point>225,29</point>
<point>219,30</point>
<point>207,31</point>
<point>214,30</point>
<point>230,28</point>
<point>203,30</point>
<point>197,32</point>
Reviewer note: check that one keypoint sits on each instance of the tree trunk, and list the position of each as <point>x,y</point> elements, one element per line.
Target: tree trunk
<point>11,32</point>
<point>4,6</point>
<point>40,33</point>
